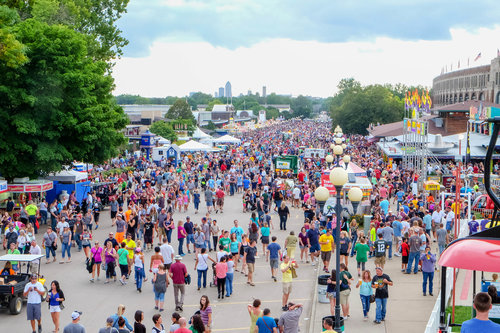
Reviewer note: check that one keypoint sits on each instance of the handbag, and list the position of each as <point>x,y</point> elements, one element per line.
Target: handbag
<point>187,279</point>
<point>294,272</point>
<point>372,298</point>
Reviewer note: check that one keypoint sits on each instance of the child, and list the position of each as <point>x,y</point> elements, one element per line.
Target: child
<point>221,272</point>
<point>148,234</point>
<point>373,238</point>
<point>175,322</point>
<point>405,251</point>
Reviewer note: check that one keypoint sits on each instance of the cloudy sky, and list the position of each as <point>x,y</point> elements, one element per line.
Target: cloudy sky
<point>298,46</point>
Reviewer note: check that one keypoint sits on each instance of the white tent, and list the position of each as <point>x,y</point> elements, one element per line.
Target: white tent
<point>68,176</point>
<point>199,134</point>
<point>227,139</point>
<point>195,146</point>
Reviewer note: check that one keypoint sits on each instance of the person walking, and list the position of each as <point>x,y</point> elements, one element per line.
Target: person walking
<point>327,247</point>
<point>201,266</point>
<point>160,284</point>
<point>380,247</point>
<point>181,236</point>
<point>442,238</point>
<point>365,291</point>
<point>74,326</point>
<point>388,235</point>
<point>221,272</point>
<point>249,259</point>
<point>345,246</point>
<point>139,268</point>
<point>123,262</point>
<point>109,257</point>
<point>345,289</point>
<point>362,250</point>
<point>291,244</point>
<point>380,282</point>
<point>178,273</point>
<point>96,260</point>
<point>266,323</point>
<point>286,268</point>
<point>255,313</point>
<point>55,297</point>
<point>414,242</point>
<point>428,261</point>
<point>206,313</point>
<point>284,214</point>
<point>229,275</point>
<point>273,256</point>
<point>34,292</point>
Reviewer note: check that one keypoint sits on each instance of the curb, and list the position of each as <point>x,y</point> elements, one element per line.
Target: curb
<point>314,302</point>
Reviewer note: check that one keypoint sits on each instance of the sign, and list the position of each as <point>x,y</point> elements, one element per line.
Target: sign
<point>314,152</point>
<point>3,186</point>
<point>282,164</point>
<point>38,187</point>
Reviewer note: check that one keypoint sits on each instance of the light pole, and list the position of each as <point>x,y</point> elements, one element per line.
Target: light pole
<point>329,160</point>
<point>338,178</point>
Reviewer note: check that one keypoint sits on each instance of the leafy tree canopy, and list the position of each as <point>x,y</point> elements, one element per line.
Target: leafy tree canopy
<point>163,129</point>
<point>180,110</point>
<point>302,107</point>
<point>212,103</point>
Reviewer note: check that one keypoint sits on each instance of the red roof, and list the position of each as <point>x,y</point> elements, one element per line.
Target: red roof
<point>396,129</point>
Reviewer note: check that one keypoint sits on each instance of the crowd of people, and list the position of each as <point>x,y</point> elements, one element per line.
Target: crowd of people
<point>144,198</point>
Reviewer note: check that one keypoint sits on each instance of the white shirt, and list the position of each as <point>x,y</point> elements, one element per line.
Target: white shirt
<point>437,216</point>
<point>36,250</point>
<point>406,226</point>
<point>33,296</point>
<point>296,193</point>
<point>450,217</point>
<point>202,262</point>
<point>61,225</point>
<point>166,251</point>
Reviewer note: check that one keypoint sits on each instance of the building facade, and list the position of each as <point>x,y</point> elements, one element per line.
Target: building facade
<point>228,92</point>
<point>221,92</point>
<point>480,83</point>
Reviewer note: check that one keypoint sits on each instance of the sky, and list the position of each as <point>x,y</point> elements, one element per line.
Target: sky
<point>298,47</point>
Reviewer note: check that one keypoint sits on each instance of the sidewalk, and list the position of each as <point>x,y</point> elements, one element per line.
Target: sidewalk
<point>407,309</point>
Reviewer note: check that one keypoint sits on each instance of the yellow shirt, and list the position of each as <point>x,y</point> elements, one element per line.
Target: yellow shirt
<point>326,247</point>
<point>459,207</point>
<point>330,331</point>
<point>31,209</point>
<point>287,276</point>
<point>130,244</point>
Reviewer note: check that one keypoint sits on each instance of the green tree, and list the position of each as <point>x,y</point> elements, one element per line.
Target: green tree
<point>199,98</point>
<point>57,107</point>
<point>213,102</point>
<point>12,52</point>
<point>163,129</point>
<point>210,126</point>
<point>180,110</point>
<point>272,113</point>
<point>302,107</point>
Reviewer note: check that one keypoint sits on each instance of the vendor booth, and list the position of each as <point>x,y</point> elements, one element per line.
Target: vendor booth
<point>227,139</point>
<point>24,190</point>
<point>193,146</point>
<point>357,178</point>
<point>167,153</point>
<point>67,181</point>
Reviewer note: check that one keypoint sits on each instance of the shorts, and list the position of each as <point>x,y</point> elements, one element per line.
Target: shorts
<point>159,296</point>
<point>274,263</point>
<point>190,238</point>
<point>434,227</point>
<point>344,254</point>
<point>379,261</point>
<point>199,246</point>
<point>404,259</point>
<point>302,247</point>
<point>55,308</point>
<point>148,239</point>
<point>34,311</point>
<point>344,296</point>
<point>113,214</point>
<point>326,255</point>
<point>287,288</point>
<point>251,267</point>
<point>265,239</point>
<point>209,203</point>
<point>123,269</point>
<point>85,245</point>
<point>331,295</point>
<point>361,264</point>
<point>314,248</point>
<point>220,201</point>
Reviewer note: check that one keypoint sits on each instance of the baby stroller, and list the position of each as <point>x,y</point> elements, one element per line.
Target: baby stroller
<point>213,283</point>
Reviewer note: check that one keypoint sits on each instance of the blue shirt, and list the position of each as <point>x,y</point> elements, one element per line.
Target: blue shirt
<point>384,204</point>
<point>262,326</point>
<point>238,231</point>
<point>427,221</point>
<point>397,227</point>
<point>246,183</point>
<point>313,235</point>
<point>400,195</point>
<point>473,225</point>
<point>475,325</point>
<point>274,249</point>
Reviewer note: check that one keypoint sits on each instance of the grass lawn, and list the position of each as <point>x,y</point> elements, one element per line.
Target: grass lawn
<point>462,313</point>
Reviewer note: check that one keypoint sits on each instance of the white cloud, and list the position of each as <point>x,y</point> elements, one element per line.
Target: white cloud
<point>297,67</point>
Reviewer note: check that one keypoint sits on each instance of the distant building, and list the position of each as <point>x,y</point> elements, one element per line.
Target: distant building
<point>264,92</point>
<point>229,92</point>
<point>480,83</point>
<point>249,92</point>
<point>215,94</point>
<point>221,92</point>
<point>191,93</point>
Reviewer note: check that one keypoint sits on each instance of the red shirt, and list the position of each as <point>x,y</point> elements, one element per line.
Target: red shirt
<point>404,249</point>
<point>178,270</point>
<point>301,176</point>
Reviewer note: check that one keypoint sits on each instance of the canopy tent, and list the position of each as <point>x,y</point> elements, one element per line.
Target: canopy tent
<point>195,146</point>
<point>68,176</point>
<point>227,139</point>
<point>199,134</point>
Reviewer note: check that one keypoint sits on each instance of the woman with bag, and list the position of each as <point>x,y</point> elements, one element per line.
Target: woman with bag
<point>345,289</point>
<point>96,259</point>
<point>109,256</point>
<point>366,292</point>
<point>201,266</point>
<point>55,297</point>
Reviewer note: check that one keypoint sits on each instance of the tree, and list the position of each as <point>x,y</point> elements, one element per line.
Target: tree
<point>272,113</point>
<point>12,52</point>
<point>58,107</point>
<point>302,107</point>
<point>213,102</point>
<point>163,129</point>
<point>199,98</point>
<point>210,126</point>
<point>180,110</point>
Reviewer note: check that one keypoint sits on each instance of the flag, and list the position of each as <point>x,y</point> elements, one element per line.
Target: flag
<point>467,150</point>
<point>478,56</point>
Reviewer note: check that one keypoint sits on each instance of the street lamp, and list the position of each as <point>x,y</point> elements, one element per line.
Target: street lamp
<point>355,195</point>
<point>338,141</point>
<point>338,177</point>
<point>346,160</point>
<point>329,160</point>
<point>337,150</point>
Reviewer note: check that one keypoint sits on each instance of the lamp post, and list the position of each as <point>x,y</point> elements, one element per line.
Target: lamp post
<point>329,160</point>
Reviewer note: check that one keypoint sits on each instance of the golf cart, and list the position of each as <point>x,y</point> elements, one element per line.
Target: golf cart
<point>12,286</point>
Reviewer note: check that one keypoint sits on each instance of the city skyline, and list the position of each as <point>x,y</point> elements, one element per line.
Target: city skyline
<point>296,55</point>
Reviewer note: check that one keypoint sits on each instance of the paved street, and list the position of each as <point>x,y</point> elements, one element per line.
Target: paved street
<point>98,300</point>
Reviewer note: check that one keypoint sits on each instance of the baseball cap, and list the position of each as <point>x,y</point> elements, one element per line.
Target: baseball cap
<point>76,314</point>
<point>110,320</point>
<point>378,268</point>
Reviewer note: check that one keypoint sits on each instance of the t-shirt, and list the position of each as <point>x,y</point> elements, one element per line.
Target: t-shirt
<point>33,296</point>
<point>108,330</point>
<point>274,249</point>
<point>397,228</point>
<point>414,242</point>
<point>251,252</point>
<point>380,246</point>
<point>166,251</point>
<point>381,289</point>
<point>120,225</point>
<point>221,270</point>
<point>202,262</point>
<point>130,244</point>
<point>224,241</point>
<point>361,252</point>
<point>313,235</point>
<point>387,234</point>
<point>291,241</point>
<point>473,226</point>
<point>475,325</point>
<point>74,328</point>
<point>263,321</point>
<point>238,231</point>
<point>290,320</point>
<point>344,244</point>
<point>441,236</point>
<point>325,238</point>
<point>344,277</point>
<point>178,271</point>
<point>287,275</point>
<point>122,256</point>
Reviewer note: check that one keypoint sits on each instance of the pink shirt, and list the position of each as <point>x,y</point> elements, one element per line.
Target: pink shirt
<point>221,270</point>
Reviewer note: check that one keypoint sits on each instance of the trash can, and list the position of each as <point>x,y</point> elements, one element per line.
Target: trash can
<point>333,319</point>
<point>322,284</point>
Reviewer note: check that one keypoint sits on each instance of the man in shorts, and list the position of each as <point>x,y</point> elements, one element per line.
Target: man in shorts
<point>249,258</point>
<point>313,243</point>
<point>285,267</point>
<point>380,247</point>
<point>34,292</point>
<point>326,242</point>
<point>189,227</point>
<point>273,256</point>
